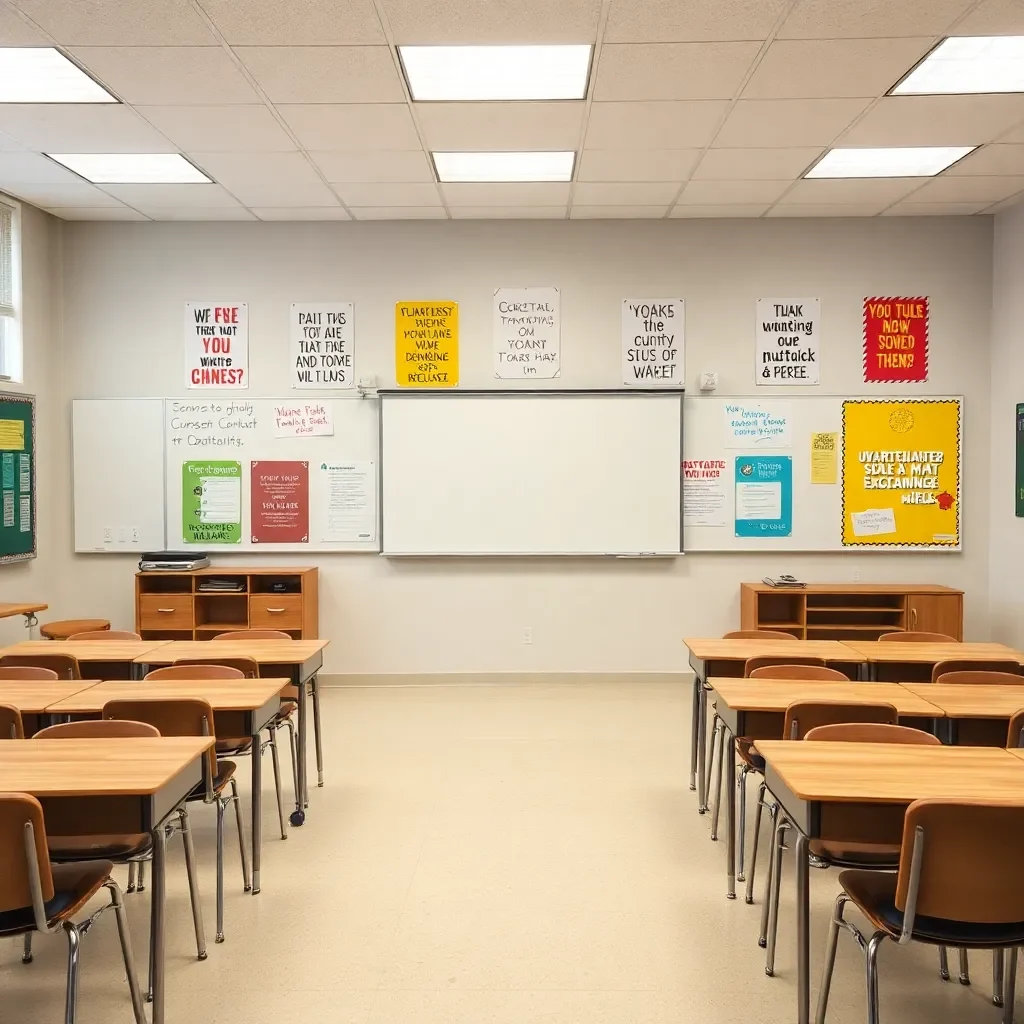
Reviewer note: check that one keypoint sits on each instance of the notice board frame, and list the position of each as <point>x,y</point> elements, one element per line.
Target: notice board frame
<point>16,544</point>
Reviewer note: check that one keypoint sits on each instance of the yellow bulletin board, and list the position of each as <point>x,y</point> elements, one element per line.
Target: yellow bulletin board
<point>427,343</point>
<point>901,473</point>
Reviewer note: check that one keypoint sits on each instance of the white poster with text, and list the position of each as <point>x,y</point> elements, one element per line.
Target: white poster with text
<point>216,345</point>
<point>787,333</point>
<point>527,333</point>
<point>704,493</point>
<point>652,343</point>
<point>322,345</point>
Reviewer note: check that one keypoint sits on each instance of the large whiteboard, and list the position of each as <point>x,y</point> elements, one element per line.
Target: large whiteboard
<point>552,473</point>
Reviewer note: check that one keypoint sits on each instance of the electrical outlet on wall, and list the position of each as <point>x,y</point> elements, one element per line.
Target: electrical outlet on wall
<point>135,535</point>
<point>527,634</point>
<point>108,535</point>
<point>856,575</point>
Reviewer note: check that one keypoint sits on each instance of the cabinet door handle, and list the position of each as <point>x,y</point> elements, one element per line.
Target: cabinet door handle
<point>276,611</point>
<point>166,611</point>
<point>913,616</point>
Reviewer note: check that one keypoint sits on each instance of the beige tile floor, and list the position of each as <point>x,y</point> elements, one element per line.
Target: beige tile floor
<point>488,855</point>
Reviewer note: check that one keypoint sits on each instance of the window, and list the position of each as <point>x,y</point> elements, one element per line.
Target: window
<point>10,293</point>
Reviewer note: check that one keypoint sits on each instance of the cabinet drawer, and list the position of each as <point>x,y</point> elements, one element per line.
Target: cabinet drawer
<point>275,611</point>
<point>165,611</point>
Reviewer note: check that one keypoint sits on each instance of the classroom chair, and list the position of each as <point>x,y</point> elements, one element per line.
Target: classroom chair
<point>26,672</point>
<point>958,884</point>
<point>63,629</point>
<point>1015,734</point>
<point>37,895</point>
<point>191,717</point>
<point>822,673</point>
<point>975,667</point>
<point>11,727</point>
<point>979,732</point>
<point>758,634</point>
<point>105,634</point>
<point>979,677</point>
<point>903,636</point>
<point>65,665</point>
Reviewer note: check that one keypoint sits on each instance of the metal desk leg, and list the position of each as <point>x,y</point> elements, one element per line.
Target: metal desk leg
<point>257,811</point>
<point>157,896</point>
<point>695,710</point>
<point>301,800</point>
<point>803,931</point>
<point>729,767</point>
<point>31,622</point>
<point>702,739</point>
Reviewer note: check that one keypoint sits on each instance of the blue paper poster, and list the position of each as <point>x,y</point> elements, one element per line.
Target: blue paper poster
<point>764,495</point>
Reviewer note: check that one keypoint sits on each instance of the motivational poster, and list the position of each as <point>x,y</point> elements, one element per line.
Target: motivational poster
<point>764,495</point>
<point>824,457</point>
<point>322,345</point>
<point>279,502</point>
<point>303,419</point>
<point>217,345</point>
<point>704,492</point>
<point>757,425</point>
<point>901,472</point>
<point>211,502</point>
<point>787,333</point>
<point>527,333</point>
<point>427,344</point>
<point>653,343</point>
<point>896,340</point>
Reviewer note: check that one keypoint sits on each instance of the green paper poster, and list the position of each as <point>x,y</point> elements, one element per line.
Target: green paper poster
<point>1019,490</point>
<point>211,502</point>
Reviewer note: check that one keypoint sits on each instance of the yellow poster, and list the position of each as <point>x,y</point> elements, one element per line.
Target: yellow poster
<point>824,457</point>
<point>901,472</point>
<point>427,344</point>
<point>12,435</point>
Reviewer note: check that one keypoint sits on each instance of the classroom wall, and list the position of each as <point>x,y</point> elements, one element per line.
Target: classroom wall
<point>1007,539</point>
<point>125,286</point>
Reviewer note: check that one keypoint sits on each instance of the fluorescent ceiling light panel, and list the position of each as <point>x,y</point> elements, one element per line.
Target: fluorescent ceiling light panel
<point>41,74</point>
<point>496,72</point>
<point>132,168</point>
<point>968,64</point>
<point>504,166</point>
<point>899,162</point>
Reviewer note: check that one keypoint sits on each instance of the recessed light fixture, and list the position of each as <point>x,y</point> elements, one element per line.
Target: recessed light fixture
<point>896,162</point>
<point>968,64</point>
<point>132,168</point>
<point>496,72</point>
<point>41,74</point>
<point>504,166</point>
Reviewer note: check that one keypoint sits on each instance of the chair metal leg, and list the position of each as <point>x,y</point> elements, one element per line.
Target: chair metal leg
<point>718,783</point>
<point>317,740</point>
<point>943,964</point>
<point>219,936</point>
<point>761,791</point>
<point>1010,984</point>
<point>141,887</point>
<point>773,920</point>
<point>997,977</point>
<point>130,887</point>
<point>741,837</point>
<point>762,938</point>
<point>246,874</point>
<point>710,767</point>
<point>293,747</point>
<point>965,968</point>
<point>74,950</point>
<point>193,884</point>
<point>872,975</point>
<point>277,779</point>
<point>126,952</point>
<point>26,949</point>
<point>830,957</point>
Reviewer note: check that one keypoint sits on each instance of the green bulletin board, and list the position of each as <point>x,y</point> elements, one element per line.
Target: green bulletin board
<point>17,477</point>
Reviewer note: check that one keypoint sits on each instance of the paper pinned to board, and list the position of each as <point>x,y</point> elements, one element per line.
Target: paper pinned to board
<point>873,522</point>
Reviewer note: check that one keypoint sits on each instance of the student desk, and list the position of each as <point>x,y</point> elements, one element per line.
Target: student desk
<point>890,653</point>
<point>806,778</point>
<point>242,707</point>
<point>90,652</point>
<point>957,702</point>
<point>750,700</point>
<point>300,660</point>
<point>34,696</point>
<point>146,778</point>
<point>8,609</point>
<point>718,657</point>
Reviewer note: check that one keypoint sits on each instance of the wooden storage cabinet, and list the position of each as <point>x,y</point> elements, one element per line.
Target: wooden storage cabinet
<point>175,605</point>
<point>854,611</point>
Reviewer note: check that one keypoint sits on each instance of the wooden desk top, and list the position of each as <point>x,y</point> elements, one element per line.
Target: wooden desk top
<point>108,767</point>
<point>717,649</point>
<point>854,588</point>
<point>968,701</point>
<point>34,696</point>
<point>87,650</point>
<point>893,772</point>
<point>223,694</point>
<point>778,694</point>
<point>230,570</point>
<point>8,608</point>
<point>894,652</point>
<point>265,652</point>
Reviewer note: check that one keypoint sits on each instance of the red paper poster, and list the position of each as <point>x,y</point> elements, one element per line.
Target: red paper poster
<point>896,339</point>
<point>279,496</point>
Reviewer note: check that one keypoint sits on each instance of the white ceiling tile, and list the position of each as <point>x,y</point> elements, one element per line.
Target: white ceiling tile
<point>34,168</point>
<point>508,212</point>
<point>80,128</point>
<point>449,22</point>
<point>232,169</point>
<point>501,126</point>
<point>388,194</point>
<point>826,210</point>
<point>829,191</point>
<point>672,71</point>
<point>804,68</point>
<point>808,122</point>
<point>864,19</point>
<point>726,193</point>
<point>383,165</point>
<point>1005,204</point>
<point>231,128</point>
<point>18,31</point>
<point>618,193</point>
<point>1015,135</point>
<point>636,164</point>
<point>997,159</point>
<point>935,121</point>
<point>351,126</point>
<point>617,212</point>
<point>755,164</point>
<point>686,123</point>
<point>324,74</point>
<point>191,196</point>
<point>514,193</point>
<point>95,213</point>
<point>651,21</point>
<point>119,22</point>
<point>989,188</point>
<point>199,213</point>
<point>302,22</point>
<point>738,210</point>
<point>994,18</point>
<point>934,209</point>
<point>399,213</point>
<point>261,193</point>
<point>46,195</point>
<point>301,213</point>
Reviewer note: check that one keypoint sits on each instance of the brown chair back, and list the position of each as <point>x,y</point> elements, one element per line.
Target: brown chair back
<point>909,637</point>
<point>105,634</point>
<point>16,811</point>
<point>10,723</point>
<point>798,672</point>
<point>64,665</point>
<point>978,677</point>
<point>872,732</point>
<point>945,667</point>
<point>26,672</point>
<point>970,868</point>
<point>775,660</point>
<point>101,729</point>
<point>758,634</point>
<point>274,634</point>
<point>804,716</point>
<point>180,717</point>
<point>1015,734</point>
<point>196,670</point>
<point>249,667</point>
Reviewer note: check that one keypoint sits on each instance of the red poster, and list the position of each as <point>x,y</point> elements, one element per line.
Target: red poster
<point>896,339</point>
<point>279,495</point>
